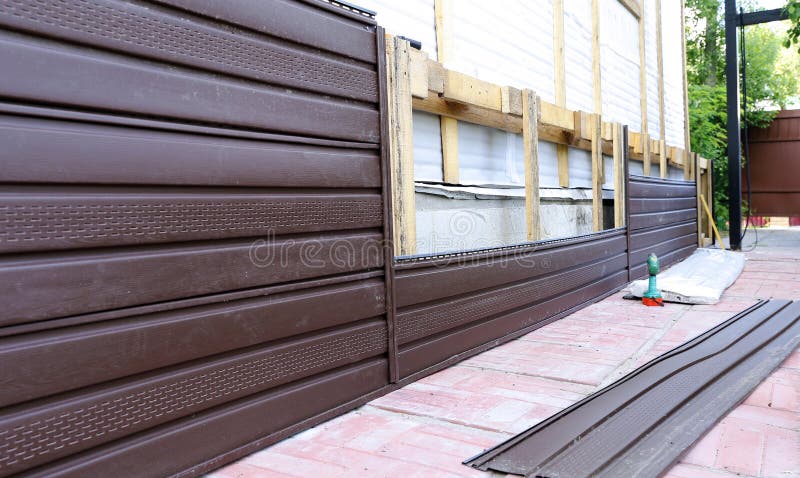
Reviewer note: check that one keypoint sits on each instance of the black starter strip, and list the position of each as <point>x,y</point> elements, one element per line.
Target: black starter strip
<point>640,425</point>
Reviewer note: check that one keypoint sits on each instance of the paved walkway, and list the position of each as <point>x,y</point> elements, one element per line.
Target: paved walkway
<point>427,428</point>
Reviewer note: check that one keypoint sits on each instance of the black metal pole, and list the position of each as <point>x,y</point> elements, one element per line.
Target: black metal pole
<point>734,135</point>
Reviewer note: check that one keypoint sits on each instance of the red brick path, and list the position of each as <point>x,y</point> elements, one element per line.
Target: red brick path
<point>427,428</point>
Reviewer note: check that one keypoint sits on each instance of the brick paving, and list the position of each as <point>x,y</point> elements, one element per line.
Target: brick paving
<point>428,427</point>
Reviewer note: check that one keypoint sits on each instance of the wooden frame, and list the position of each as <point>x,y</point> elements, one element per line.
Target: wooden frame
<point>432,88</point>
<point>500,107</point>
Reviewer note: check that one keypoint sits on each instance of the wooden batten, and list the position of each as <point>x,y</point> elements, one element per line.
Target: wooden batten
<point>459,97</point>
<point>687,146</point>
<point>643,141</point>
<point>562,150</point>
<point>401,151</point>
<point>511,101</point>
<point>466,89</point>
<point>596,127</point>
<point>531,112</point>
<point>596,70</point>
<point>449,132</point>
<point>418,70</point>
<point>454,86</point>
<point>472,114</point>
<point>661,121</point>
<point>619,175</point>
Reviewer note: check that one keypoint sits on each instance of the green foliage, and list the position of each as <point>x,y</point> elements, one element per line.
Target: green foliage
<point>771,78</point>
<point>708,118</point>
<point>772,82</point>
<point>793,35</point>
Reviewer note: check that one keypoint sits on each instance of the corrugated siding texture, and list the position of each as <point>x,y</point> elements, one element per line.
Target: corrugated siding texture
<point>578,54</point>
<point>673,73</point>
<point>651,60</point>
<point>427,147</point>
<point>183,205</point>
<point>662,220</point>
<point>409,18</point>
<point>499,43</point>
<point>451,306</point>
<point>619,52</point>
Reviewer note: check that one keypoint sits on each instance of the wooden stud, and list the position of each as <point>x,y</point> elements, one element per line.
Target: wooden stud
<point>443,12</point>
<point>645,144</point>
<point>583,125</point>
<point>597,172</point>
<point>596,72</point>
<point>662,157</point>
<point>401,151</point>
<point>418,69</point>
<point>687,146</point>
<point>449,150</point>
<point>619,176</point>
<point>661,119</point>
<point>562,150</point>
<point>435,76</point>
<point>531,112</point>
<point>511,101</point>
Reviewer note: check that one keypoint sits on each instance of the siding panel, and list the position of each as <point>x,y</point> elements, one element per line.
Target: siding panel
<point>191,229</point>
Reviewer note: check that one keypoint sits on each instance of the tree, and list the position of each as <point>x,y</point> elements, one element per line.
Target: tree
<point>793,34</point>
<point>771,83</point>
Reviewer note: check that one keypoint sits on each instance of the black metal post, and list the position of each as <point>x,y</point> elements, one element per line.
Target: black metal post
<point>734,135</point>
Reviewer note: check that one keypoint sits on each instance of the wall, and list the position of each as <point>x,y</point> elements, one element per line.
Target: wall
<point>513,45</point>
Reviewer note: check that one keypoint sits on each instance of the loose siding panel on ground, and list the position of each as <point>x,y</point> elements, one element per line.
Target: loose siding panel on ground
<point>469,301</point>
<point>662,220</point>
<point>191,229</point>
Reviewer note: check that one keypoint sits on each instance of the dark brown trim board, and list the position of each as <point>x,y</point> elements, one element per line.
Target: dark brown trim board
<point>662,218</point>
<point>641,424</point>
